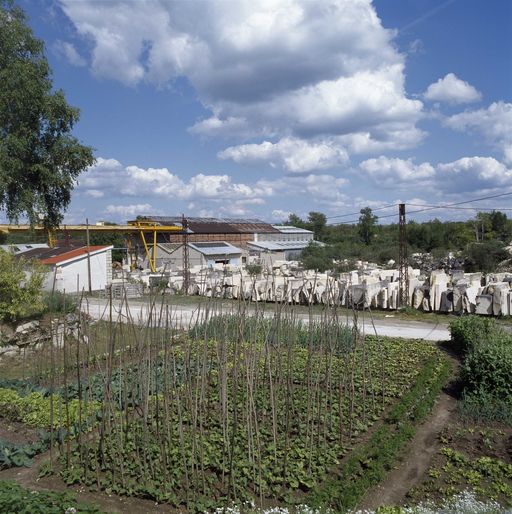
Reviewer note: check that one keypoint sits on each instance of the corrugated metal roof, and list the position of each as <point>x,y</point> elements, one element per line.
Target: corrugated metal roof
<point>278,246</point>
<point>60,254</point>
<point>22,248</point>
<point>206,248</point>
<point>221,248</point>
<point>289,229</point>
<point>217,225</point>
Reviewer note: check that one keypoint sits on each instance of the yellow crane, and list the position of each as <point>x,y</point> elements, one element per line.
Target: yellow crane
<point>139,227</point>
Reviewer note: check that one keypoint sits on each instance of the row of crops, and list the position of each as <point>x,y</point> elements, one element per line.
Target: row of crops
<point>238,409</point>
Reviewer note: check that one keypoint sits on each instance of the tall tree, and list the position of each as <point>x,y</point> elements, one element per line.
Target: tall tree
<point>40,160</point>
<point>317,222</point>
<point>366,225</point>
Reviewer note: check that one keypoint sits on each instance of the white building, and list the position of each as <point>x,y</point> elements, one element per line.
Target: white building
<point>286,244</point>
<point>286,233</point>
<point>68,268</point>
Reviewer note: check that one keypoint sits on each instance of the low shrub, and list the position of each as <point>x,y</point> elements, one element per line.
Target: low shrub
<point>58,302</point>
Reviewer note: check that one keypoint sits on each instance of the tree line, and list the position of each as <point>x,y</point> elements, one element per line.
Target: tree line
<point>479,244</point>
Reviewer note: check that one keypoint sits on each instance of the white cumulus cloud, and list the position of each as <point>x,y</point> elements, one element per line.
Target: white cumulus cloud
<point>453,90</point>
<point>294,155</point>
<point>394,172</point>
<point>129,210</point>
<point>473,173</point>
<point>494,123</point>
<point>111,177</point>
<point>275,70</point>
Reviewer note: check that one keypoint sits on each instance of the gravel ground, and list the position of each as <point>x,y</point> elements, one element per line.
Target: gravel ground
<point>183,316</point>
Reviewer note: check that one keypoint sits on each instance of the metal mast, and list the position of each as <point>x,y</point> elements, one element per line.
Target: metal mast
<point>403,270</point>
<point>186,265</point>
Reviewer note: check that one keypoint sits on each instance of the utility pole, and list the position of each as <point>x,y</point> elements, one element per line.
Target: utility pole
<point>186,265</point>
<point>403,270</point>
<point>88,256</point>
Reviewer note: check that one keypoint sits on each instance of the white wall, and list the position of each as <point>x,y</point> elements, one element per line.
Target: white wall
<point>73,276</point>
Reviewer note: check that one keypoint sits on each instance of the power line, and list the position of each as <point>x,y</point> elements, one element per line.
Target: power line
<point>463,208</point>
<point>359,212</point>
<point>461,203</point>
<point>427,207</point>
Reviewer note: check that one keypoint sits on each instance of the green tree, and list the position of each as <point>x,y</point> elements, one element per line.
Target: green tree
<point>366,225</point>
<point>296,221</point>
<point>315,257</point>
<point>485,256</point>
<point>21,285</point>
<point>39,158</point>
<point>317,223</point>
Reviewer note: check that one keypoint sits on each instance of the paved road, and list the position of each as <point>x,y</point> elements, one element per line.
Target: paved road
<point>184,316</point>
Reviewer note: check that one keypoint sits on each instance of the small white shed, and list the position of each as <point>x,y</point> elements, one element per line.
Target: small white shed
<point>69,268</point>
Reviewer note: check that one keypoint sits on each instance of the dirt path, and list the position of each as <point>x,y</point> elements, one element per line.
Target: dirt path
<point>420,452</point>
<point>109,503</point>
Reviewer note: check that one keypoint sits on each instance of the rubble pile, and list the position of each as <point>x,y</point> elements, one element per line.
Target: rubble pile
<point>32,335</point>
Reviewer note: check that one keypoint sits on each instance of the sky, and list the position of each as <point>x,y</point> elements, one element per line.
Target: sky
<point>261,108</point>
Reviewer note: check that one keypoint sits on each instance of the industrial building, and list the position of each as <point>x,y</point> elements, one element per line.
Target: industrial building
<point>232,241</point>
<point>236,231</point>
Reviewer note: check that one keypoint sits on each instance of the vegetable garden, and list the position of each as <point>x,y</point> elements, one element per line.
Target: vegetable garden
<point>237,409</point>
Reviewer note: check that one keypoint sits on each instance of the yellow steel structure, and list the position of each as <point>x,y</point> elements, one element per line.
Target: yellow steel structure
<point>139,227</point>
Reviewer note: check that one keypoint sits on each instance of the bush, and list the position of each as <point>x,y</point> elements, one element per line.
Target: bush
<point>468,331</point>
<point>60,302</point>
<point>21,287</point>
<point>484,406</point>
<point>254,269</point>
<point>486,368</point>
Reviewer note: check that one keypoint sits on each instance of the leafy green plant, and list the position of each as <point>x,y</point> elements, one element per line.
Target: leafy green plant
<point>12,454</point>
<point>17,499</point>
<point>35,409</point>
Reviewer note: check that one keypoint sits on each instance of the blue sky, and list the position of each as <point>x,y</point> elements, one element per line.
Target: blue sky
<point>251,108</point>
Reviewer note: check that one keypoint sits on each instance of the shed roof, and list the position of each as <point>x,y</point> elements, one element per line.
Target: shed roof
<point>216,248</point>
<point>278,246</point>
<point>289,229</point>
<point>206,248</point>
<point>22,248</point>
<point>61,254</point>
